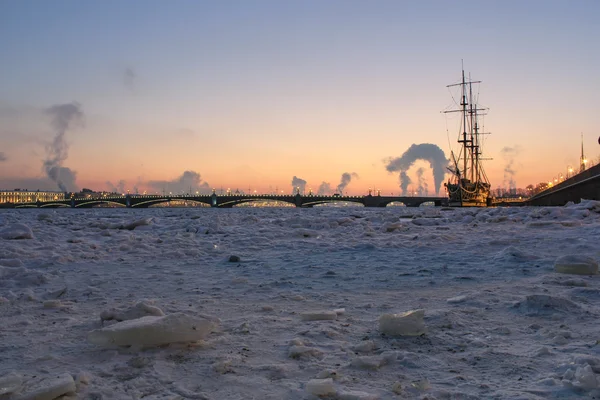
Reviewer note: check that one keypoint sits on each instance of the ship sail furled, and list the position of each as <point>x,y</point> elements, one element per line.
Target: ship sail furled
<point>469,185</point>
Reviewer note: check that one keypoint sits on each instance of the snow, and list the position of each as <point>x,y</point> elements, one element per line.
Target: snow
<point>132,304</point>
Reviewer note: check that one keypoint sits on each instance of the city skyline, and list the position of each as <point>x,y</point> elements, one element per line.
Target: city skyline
<point>153,96</point>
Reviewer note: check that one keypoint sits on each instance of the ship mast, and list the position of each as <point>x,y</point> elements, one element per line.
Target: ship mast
<point>464,141</point>
<point>469,140</point>
<point>471,186</point>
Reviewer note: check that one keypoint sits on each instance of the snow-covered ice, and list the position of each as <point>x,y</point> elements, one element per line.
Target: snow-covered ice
<point>267,303</point>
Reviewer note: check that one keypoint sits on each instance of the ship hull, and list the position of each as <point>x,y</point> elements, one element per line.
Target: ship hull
<point>468,194</point>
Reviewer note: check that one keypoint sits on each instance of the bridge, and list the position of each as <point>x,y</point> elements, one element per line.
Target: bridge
<point>226,201</point>
<point>585,185</point>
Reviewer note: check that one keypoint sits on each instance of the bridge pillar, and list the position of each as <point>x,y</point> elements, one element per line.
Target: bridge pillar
<point>72,202</point>
<point>128,200</point>
<point>213,200</point>
<point>298,199</point>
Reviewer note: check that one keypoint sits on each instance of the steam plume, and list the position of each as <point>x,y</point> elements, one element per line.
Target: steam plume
<point>188,181</point>
<point>64,117</point>
<point>424,151</point>
<point>298,183</point>
<point>423,188</point>
<point>324,189</point>
<point>346,178</point>
<point>405,181</point>
<point>509,154</point>
<point>118,188</point>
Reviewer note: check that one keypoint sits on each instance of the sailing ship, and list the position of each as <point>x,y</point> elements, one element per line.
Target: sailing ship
<point>469,185</point>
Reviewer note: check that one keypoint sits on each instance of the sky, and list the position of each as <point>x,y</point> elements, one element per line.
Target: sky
<point>255,95</point>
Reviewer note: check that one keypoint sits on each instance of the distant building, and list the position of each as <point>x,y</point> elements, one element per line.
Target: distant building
<point>28,196</point>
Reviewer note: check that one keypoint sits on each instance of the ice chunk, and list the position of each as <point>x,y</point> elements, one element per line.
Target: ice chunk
<point>140,222</point>
<point>457,299</point>
<point>328,373</point>
<point>16,231</point>
<point>53,304</point>
<point>153,331</point>
<point>368,362</point>
<point>546,303</point>
<point>21,277</point>
<point>301,351</point>
<point>223,366</point>
<point>10,383</point>
<point>318,315</point>
<point>409,323</point>
<point>321,387</point>
<point>576,264</point>
<point>48,388</point>
<point>366,346</point>
<point>141,309</point>
<point>392,226</point>
<point>585,378</point>
<point>356,395</point>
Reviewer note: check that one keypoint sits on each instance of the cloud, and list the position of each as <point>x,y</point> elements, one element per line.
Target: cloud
<point>298,184</point>
<point>64,117</point>
<point>189,181</point>
<point>424,151</point>
<point>3,156</point>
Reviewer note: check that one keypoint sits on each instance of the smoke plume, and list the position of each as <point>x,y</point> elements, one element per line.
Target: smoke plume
<point>405,181</point>
<point>298,184</point>
<point>424,151</point>
<point>188,182</point>
<point>324,189</point>
<point>423,188</point>
<point>64,117</point>
<point>345,180</point>
<point>2,156</point>
<point>64,177</point>
<point>509,155</point>
<point>119,187</point>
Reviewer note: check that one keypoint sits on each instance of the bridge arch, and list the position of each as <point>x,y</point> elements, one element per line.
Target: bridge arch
<point>97,202</point>
<point>264,202</point>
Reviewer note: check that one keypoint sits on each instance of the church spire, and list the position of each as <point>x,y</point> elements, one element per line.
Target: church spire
<point>582,160</point>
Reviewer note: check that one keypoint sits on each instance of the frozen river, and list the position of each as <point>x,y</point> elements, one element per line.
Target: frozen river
<point>501,324</point>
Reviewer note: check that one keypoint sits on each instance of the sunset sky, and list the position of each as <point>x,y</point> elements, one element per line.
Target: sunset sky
<point>250,94</point>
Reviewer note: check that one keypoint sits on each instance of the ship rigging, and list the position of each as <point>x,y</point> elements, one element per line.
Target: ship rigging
<point>469,185</point>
